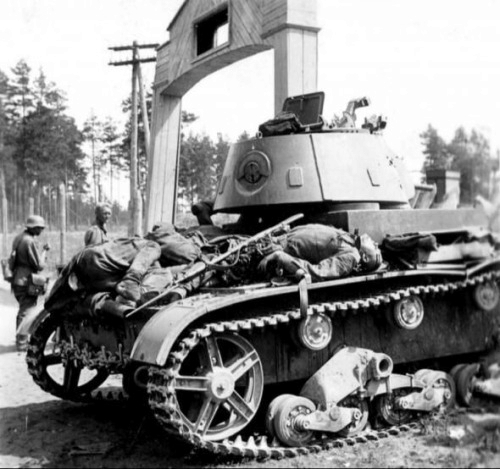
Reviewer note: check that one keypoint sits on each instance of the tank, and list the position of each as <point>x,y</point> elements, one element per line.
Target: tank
<point>281,368</point>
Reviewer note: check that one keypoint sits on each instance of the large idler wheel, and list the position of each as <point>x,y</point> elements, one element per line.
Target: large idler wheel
<point>219,386</point>
<point>45,364</point>
<point>465,379</point>
<point>286,422</point>
<point>359,425</point>
<point>387,410</point>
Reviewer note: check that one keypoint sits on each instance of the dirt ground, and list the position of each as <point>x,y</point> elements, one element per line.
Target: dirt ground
<point>38,430</point>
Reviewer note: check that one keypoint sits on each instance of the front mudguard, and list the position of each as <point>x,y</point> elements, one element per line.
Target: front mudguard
<point>33,318</point>
<point>159,334</point>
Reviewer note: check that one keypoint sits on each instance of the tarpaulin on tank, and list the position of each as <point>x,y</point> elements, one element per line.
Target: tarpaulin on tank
<point>176,249</point>
<point>408,246</point>
<point>102,266</point>
<point>283,124</point>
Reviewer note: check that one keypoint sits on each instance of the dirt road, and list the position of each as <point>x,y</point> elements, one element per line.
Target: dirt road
<point>38,430</point>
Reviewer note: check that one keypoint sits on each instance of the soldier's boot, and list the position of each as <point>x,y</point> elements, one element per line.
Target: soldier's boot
<point>115,309</point>
<point>178,293</point>
<point>129,289</point>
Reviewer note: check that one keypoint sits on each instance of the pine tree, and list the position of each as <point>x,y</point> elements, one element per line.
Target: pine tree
<point>45,93</point>
<point>111,154</point>
<point>435,150</point>
<point>92,133</point>
<point>471,157</point>
<point>19,93</point>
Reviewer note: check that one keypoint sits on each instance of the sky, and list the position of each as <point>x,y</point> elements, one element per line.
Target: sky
<point>427,62</point>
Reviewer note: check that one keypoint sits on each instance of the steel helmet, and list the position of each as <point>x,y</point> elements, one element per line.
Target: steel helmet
<point>35,221</point>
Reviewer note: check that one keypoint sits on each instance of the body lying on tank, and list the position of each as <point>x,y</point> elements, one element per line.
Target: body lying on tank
<point>203,359</point>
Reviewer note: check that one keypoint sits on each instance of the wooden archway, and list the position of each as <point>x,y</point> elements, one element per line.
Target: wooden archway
<point>206,36</point>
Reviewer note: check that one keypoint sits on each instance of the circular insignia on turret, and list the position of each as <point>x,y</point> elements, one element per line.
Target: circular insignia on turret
<point>253,171</point>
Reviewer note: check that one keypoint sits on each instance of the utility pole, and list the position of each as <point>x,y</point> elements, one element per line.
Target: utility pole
<point>135,199</point>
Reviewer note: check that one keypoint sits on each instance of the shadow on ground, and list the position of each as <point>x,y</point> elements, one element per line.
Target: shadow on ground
<point>7,348</point>
<point>62,434</point>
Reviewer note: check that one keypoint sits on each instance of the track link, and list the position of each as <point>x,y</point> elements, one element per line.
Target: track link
<point>161,391</point>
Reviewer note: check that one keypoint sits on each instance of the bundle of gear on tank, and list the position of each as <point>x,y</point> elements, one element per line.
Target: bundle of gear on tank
<point>405,248</point>
<point>242,267</point>
<point>413,249</point>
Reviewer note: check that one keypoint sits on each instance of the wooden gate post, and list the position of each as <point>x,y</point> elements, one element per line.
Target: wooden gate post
<point>5,217</point>
<point>206,36</point>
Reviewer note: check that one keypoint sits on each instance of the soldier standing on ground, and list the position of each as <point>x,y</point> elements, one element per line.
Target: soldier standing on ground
<point>97,233</point>
<point>29,259</point>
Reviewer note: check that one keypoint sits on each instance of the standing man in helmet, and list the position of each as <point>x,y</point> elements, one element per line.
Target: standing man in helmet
<point>29,259</point>
<point>97,233</point>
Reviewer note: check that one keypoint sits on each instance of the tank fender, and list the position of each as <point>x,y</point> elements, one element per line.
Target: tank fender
<point>490,264</point>
<point>346,372</point>
<point>159,334</point>
<point>34,317</point>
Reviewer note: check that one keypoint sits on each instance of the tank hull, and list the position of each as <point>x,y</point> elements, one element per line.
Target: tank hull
<point>360,309</point>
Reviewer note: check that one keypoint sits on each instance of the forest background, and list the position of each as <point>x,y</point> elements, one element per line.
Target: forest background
<point>41,147</point>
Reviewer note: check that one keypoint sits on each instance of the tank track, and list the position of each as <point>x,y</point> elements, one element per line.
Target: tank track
<point>161,390</point>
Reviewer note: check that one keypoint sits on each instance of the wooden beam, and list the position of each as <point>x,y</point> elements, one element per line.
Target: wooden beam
<point>133,62</point>
<point>134,229</point>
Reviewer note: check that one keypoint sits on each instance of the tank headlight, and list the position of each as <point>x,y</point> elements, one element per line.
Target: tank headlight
<point>315,331</point>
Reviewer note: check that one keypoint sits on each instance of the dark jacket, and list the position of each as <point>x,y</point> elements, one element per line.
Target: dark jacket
<point>29,258</point>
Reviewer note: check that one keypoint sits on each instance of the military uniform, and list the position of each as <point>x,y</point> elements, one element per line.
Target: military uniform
<point>322,251</point>
<point>28,260</point>
<point>96,234</point>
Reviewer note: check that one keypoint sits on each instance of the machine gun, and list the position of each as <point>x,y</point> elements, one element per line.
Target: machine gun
<point>201,267</point>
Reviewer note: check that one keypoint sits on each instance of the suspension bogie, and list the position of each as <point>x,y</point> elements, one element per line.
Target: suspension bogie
<point>337,398</point>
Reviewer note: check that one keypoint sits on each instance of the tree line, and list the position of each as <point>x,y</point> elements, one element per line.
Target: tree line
<point>41,147</point>
<point>468,153</point>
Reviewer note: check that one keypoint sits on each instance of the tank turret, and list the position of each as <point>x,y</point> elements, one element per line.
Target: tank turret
<point>298,162</point>
<point>337,173</point>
